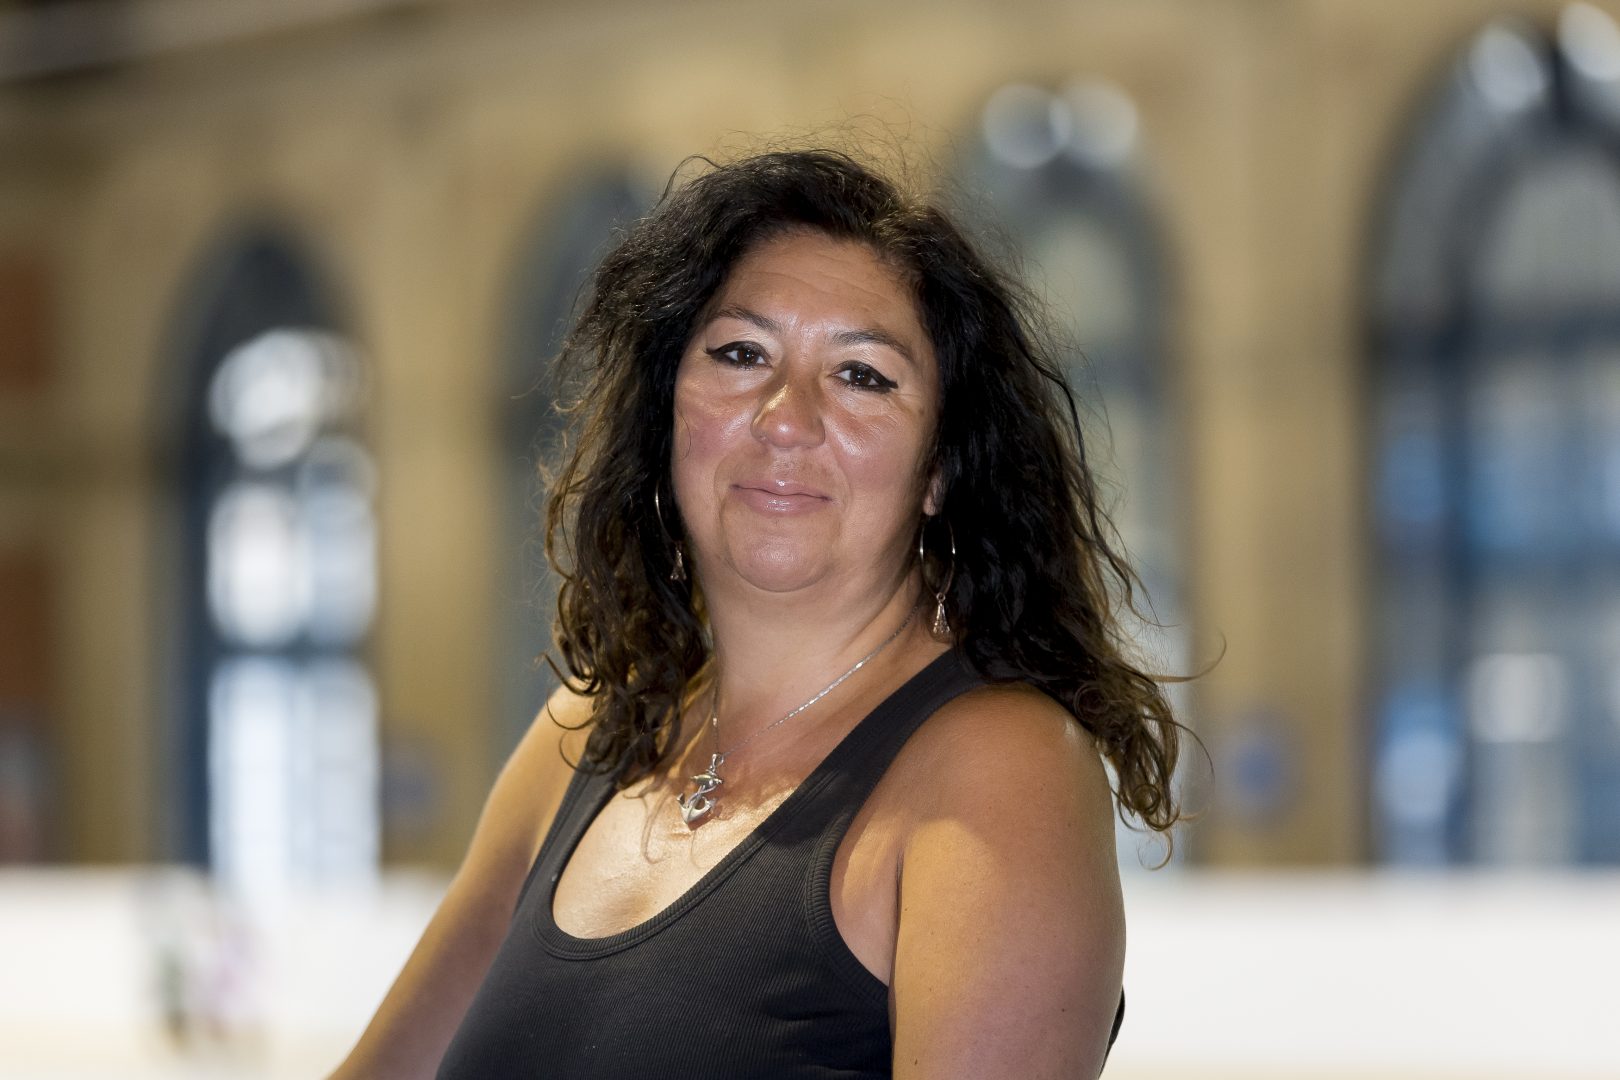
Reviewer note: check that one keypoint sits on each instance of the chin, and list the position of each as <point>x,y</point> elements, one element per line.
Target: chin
<point>778,566</point>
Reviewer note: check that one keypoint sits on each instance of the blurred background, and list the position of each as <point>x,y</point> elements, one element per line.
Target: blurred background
<point>278,284</point>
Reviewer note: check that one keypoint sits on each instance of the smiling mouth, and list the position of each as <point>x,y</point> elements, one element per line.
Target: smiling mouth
<point>783,492</point>
<point>787,499</point>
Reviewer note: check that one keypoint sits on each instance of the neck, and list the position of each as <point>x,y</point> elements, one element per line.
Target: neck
<point>774,653</point>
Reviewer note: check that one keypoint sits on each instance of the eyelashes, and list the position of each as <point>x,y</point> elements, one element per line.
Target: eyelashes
<point>737,354</point>
<point>861,376</point>
<point>870,377</point>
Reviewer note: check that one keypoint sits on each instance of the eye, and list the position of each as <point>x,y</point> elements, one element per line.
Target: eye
<point>737,354</point>
<point>866,377</point>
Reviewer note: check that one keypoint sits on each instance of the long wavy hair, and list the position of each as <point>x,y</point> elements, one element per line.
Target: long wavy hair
<point>1036,553</point>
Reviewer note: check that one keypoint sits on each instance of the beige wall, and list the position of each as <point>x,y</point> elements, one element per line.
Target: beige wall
<point>414,151</point>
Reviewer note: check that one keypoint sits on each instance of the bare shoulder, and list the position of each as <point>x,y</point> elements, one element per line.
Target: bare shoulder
<point>1010,941</point>
<point>555,738</point>
<point>419,1016</point>
<point>531,784</point>
<point>529,790</point>
<point>998,740</point>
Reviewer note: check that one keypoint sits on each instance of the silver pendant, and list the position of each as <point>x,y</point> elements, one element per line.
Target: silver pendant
<point>695,805</point>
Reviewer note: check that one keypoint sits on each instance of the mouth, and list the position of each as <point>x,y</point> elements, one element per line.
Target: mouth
<point>781,488</point>
<point>788,490</point>
<point>776,498</point>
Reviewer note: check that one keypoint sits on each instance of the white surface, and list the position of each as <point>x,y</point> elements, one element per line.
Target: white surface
<point>1227,976</point>
<point>1371,974</point>
<point>80,962</point>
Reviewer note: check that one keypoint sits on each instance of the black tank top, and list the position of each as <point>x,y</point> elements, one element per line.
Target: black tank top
<point>745,975</point>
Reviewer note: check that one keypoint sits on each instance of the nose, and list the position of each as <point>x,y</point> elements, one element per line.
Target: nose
<point>789,415</point>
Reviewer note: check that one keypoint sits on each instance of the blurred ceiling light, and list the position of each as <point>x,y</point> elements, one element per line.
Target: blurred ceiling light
<point>1507,69</point>
<point>1104,121</point>
<point>1025,126</point>
<point>1591,41</point>
<point>1517,697</point>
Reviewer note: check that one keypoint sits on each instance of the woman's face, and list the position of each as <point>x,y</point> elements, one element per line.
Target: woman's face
<point>804,402</point>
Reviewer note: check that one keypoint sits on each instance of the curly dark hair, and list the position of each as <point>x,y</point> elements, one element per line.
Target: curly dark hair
<point>1035,551</point>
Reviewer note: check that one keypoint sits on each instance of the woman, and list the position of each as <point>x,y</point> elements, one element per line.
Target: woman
<point>845,673</point>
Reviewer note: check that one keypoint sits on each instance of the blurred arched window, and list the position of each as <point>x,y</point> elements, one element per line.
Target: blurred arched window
<point>554,266</point>
<point>1495,413</point>
<point>1062,173</point>
<point>279,743</point>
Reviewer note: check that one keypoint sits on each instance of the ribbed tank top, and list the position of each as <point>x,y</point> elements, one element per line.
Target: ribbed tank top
<point>745,975</point>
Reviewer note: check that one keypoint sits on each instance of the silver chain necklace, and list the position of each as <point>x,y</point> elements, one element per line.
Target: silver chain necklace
<point>697,804</point>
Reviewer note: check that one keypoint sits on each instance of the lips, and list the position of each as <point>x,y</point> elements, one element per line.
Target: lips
<point>781,487</point>
<point>773,498</point>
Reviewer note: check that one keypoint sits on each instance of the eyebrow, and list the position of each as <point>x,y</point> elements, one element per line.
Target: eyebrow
<point>865,335</point>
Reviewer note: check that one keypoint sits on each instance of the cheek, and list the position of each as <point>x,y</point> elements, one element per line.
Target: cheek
<point>884,455</point>
<point>704,428</point>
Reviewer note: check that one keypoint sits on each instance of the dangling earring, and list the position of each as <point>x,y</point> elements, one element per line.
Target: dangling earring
<point>678,572</point>
<point>941,625</point>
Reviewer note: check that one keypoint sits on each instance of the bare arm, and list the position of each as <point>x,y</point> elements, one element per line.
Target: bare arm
<point>413,1026</point>
<point>1011,940</point>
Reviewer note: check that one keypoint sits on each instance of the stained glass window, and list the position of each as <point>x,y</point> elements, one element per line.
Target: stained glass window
<point>1064,172</point>
<point>1495,415</point>
<point>280,741</point>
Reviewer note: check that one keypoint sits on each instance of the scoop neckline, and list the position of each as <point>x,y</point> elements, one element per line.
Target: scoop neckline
<point>561,943</point>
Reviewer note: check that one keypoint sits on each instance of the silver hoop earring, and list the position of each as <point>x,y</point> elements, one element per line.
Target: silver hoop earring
<point>678,572</point>
<point>941,625</point>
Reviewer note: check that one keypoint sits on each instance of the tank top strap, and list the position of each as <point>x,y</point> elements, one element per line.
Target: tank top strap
<point>842,780</point>
<point>583,796</point>
<point>840,783</point>
<point>856,765</point>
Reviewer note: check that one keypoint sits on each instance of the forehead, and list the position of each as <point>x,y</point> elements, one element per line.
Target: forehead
<point>810,276</point>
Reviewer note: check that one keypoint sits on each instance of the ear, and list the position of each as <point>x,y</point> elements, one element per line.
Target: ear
<point>935,495</point>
